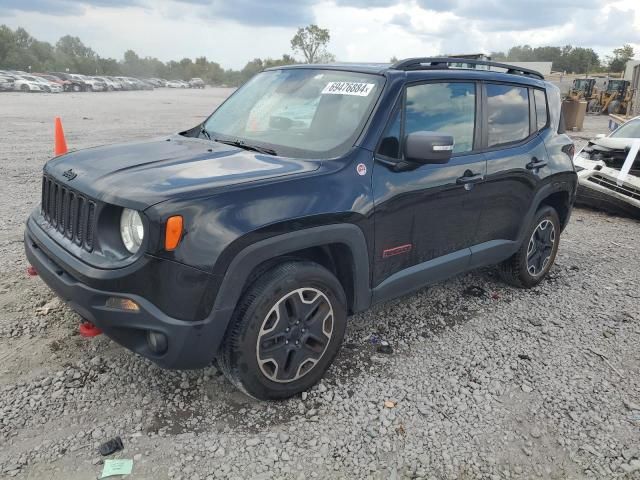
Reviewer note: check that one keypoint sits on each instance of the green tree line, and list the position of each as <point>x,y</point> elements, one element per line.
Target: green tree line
<point>20,51</point>
<point>568,58</point>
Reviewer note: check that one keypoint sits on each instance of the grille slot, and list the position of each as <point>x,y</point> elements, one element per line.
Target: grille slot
<point>69,213</point>
<point>626,190</point>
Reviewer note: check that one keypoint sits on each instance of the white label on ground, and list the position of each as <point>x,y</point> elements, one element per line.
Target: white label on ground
<point>348,88</point>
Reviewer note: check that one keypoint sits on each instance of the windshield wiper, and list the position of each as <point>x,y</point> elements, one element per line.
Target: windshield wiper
<point>203,131</point>
<point>246,146</point>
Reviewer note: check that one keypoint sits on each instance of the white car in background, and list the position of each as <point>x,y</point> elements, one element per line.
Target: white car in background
<point>112,85</point>
<point>177,84</point>
<point>6,83</point>
<point>608,170</point>
<point>23,84</point>
<point>48,86</point>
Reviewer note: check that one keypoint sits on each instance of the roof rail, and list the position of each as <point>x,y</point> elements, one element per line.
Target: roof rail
<point>442,63</point>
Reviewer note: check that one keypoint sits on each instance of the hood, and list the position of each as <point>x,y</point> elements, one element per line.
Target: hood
<point>140,174</point>
<point>611,143</point>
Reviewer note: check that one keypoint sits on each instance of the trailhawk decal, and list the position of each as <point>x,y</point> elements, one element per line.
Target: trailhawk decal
<point>348,88</point>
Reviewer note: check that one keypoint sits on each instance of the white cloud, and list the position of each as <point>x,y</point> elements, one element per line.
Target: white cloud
<point>360,30</point>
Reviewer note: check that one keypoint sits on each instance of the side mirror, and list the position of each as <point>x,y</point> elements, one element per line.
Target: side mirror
<point>428,147</point>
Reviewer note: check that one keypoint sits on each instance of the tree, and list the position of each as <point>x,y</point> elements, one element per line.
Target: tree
<point>621,56</point>
<point>311,41</point>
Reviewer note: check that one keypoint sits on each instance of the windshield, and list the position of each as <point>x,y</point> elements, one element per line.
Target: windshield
<point>306,113</point>
<point>628,130</point>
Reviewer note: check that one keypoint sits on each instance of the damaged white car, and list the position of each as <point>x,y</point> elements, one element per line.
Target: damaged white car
<point>608,170</point>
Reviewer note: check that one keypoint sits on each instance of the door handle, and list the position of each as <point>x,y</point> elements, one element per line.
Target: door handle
<point>534,164</point>
<point>469,179</point>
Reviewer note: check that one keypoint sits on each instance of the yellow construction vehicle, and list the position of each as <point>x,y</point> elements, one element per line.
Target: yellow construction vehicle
<point>583,89</point>
<point>614,98</point>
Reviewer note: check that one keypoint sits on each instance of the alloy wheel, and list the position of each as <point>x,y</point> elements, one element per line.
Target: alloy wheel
<point>540,247</point>
<point>295,335</point>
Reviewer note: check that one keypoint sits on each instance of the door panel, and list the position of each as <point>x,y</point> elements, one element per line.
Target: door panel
<point>510,187</point>
<point>427,209</point>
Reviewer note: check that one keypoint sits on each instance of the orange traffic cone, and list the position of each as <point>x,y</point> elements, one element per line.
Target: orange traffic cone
<point>60,144</point>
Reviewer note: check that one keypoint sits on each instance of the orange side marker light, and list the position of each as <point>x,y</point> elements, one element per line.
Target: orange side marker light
<point>173,233</point>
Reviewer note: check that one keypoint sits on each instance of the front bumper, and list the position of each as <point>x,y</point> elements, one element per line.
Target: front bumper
<point>598,188</point>
<point>190,344</point>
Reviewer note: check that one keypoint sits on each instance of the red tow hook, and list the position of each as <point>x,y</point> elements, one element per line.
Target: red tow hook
<point>88,330</point>
<point>31,271</point>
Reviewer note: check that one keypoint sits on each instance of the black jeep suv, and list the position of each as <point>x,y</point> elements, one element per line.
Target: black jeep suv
<point>310,194</point>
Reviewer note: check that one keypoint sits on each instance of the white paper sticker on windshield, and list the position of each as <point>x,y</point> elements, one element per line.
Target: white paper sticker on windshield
<point>348,88</point>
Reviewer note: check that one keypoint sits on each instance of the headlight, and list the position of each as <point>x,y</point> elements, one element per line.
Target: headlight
<point>131,230</point>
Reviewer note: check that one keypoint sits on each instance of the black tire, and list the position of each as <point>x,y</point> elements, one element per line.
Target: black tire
<point>295,291</point>
<point>528,266</point>
<point>24,88</point>
<point>76,88</point>
<point>614,107</point>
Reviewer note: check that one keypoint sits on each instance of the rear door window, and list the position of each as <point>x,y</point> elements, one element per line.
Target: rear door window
<point>507,114</point>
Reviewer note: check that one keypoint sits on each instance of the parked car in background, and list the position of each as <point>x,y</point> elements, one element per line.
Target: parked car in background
<point>65,84</point>
<point>45,85</point>
<point>111,85</point>
<point>178,84</point>
<point>196,83</point>
<point>75,84</point>
<point>24,85</point>
<point>118,85</point>
<point>175,84</point>
<point>6,83</point>
<point>93,83</point>
<point>128,83</point>
<point>154,81</point>
<point>609,171</point>
<point>144,84</point>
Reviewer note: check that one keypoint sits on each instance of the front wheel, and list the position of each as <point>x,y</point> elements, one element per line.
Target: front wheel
<point>286,330</point>
<point>531,263</point>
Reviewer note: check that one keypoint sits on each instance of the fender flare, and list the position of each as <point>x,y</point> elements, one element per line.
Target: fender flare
<point>250,257</point>
<point>563,185</point>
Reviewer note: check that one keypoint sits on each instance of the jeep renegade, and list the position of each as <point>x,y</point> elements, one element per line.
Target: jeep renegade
<point>311,193</point>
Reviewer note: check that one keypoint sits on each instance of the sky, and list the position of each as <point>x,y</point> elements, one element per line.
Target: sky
<point>234,32</point>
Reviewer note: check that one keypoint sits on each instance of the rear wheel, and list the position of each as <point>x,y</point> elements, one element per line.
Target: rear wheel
<point>24,88</point>
<point>76,88</point>
<point>285,332</point>
<point>531,263</point>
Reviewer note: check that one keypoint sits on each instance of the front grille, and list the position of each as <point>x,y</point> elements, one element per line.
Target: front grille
<point>70,213</point>
<point>626,190</point>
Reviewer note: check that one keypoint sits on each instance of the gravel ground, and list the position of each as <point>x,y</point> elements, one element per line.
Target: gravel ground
<point>485,381</point>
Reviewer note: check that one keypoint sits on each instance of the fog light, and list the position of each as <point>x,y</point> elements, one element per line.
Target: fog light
<point>122,304</point>
<point>157,342</point>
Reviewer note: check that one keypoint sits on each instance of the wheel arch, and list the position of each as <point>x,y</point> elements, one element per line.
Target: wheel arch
<point>558,193</point>
<point>341,248</point>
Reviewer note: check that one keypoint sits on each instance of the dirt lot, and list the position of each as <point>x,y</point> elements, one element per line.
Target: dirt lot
<point>490,381</point>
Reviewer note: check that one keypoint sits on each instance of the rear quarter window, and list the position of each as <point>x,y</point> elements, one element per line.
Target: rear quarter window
<point>542,116</point>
